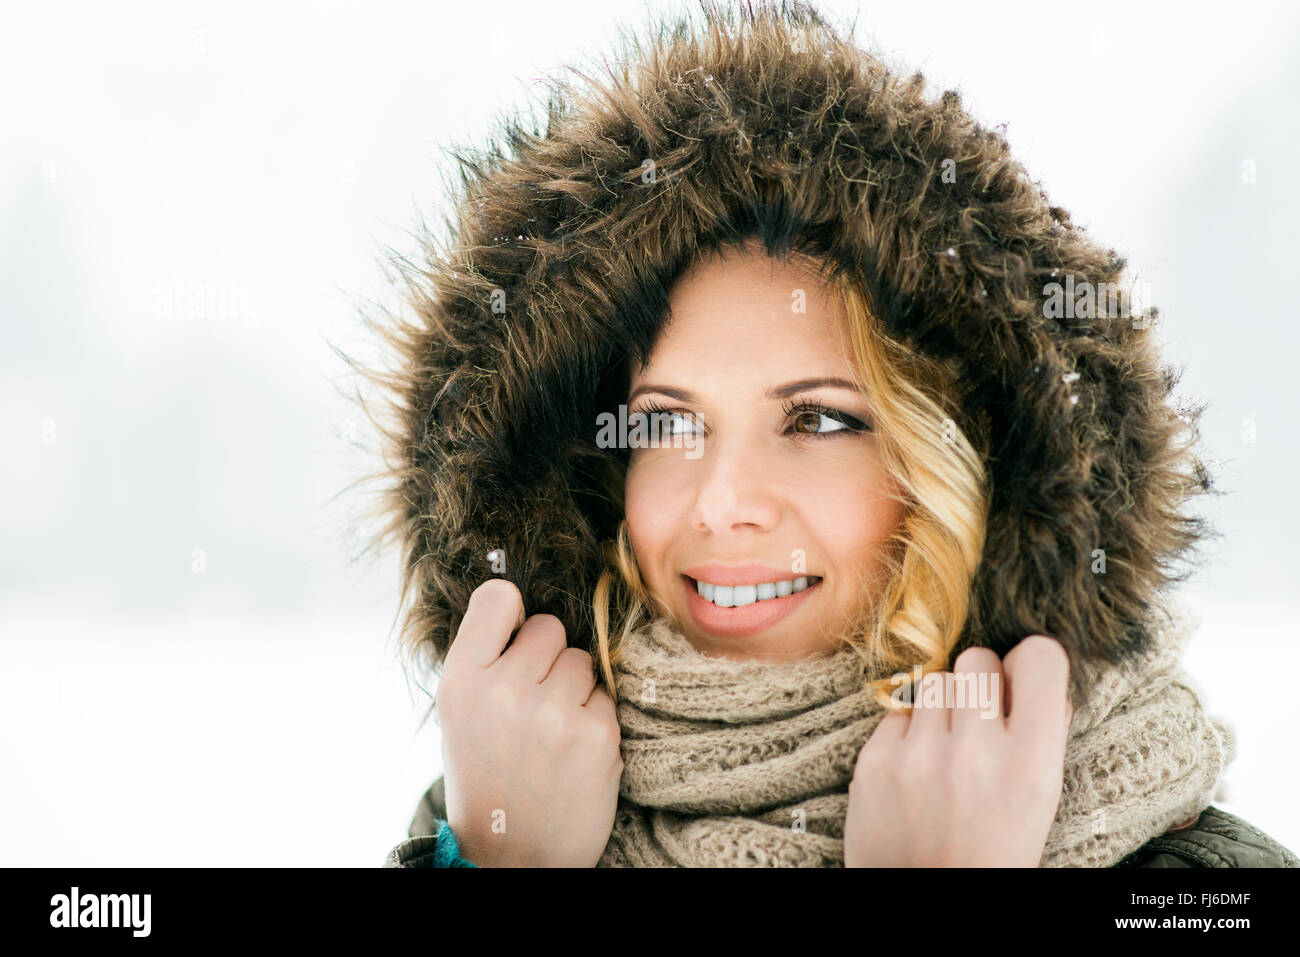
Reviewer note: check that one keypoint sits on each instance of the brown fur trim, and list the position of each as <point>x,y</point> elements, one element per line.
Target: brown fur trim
<point>769,122</point>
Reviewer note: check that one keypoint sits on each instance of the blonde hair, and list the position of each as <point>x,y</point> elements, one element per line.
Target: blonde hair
<point>929,559</point>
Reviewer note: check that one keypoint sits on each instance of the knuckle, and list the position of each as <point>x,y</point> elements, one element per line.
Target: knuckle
<point>551,720</point>
<point>501,699</point>
<point>496,592</point>
<point>579,656</point>
<point>1040,645</point>
<point>547,622</point>
<point>601,734</point>
<point>1055,650</point>
<point>975,658</point>
<point>499,587</point>
<point>1042,653</point>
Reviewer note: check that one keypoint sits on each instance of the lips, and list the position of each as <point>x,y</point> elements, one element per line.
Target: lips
<point>748,619</point>
<point>716,574</point>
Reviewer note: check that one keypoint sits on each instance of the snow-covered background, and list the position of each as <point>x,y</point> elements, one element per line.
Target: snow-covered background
<point>191,198</point>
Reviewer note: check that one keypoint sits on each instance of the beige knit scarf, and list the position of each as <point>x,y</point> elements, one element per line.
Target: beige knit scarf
<point>747,764</point>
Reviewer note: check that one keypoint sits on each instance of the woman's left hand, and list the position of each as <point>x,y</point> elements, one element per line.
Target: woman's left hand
<point>966,783</point>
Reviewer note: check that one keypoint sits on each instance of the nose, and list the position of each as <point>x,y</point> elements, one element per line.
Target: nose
<point>734,491</point>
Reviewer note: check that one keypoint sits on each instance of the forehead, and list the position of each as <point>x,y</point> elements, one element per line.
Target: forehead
<point>732,269</point>
<point>746,309</point>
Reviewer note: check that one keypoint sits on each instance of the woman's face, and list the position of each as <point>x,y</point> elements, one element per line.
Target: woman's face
<point>770,468</point>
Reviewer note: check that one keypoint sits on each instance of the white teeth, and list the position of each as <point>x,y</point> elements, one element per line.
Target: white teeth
<point>736,596</point>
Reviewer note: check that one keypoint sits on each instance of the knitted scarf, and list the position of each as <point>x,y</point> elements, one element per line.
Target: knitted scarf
<point>747,763</point>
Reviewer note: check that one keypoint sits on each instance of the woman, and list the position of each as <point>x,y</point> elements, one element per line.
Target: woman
<point>779,513</point>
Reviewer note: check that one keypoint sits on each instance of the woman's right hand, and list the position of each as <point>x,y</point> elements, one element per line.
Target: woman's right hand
<point>530,745</point>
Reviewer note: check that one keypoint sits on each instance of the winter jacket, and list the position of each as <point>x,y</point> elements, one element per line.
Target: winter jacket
<point>767,123</point>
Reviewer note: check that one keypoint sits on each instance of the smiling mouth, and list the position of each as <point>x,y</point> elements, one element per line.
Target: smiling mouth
<point>753,615</point>
<point>742,596</point>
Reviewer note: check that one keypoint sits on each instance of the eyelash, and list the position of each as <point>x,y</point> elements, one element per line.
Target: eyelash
<point>852,425</point>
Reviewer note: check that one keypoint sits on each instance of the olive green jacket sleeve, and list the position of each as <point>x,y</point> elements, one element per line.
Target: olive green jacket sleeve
<point>430,841</point>
<point>1216,839</point>
<point>432,806</point>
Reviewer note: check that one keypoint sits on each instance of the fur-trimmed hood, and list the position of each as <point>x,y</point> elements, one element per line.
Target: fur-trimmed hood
<point>768,122</point>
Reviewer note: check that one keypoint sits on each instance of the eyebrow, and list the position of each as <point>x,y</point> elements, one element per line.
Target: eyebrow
<point>776,392</point>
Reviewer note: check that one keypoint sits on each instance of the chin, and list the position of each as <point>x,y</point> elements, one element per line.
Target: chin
<point>773,644</point>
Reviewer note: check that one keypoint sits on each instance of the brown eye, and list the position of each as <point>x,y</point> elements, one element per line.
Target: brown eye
<point>811,419</point>
<point>807,416</point>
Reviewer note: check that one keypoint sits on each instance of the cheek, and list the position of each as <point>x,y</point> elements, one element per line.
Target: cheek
<point>866,510</point>
<point>648,503</point>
